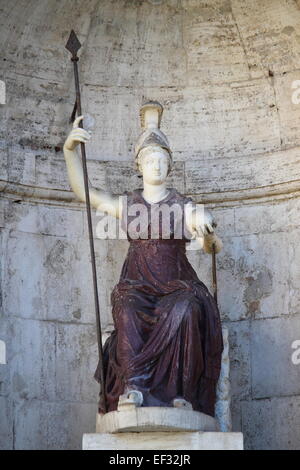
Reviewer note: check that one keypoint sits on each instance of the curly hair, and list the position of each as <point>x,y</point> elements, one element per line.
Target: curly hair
<point>141,154</point>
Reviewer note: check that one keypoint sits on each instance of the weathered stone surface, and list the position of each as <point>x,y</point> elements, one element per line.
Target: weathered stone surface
<point>3,163</point>
<point>42,133</point>
<point>41,48</point>
<point>21,166</point>
<point>52,425</point>
<point>201,262</point>
<point>240,359</point>
<point>205,27</point>
<point>286,87</point>
<point>31,359</point>
<point>76,361</point>
<point>164,441</point>
<point>49,292</point>
<point>236,415</point>
<point>5,385</point>
<point>45,288</point>
<point>50,172</point>
<point>273,372</point>
<point>270,217</point>
<point>6,422</point>
<point>3,205</point>
<point>120,38</point>
<point>5,376</point>
<point>272,424</point>
<point>229,174</point>
<point>48,220</point>
<point>253,276</point>
<point>224,217</point>
<point>269,33</point>
<point>294,272</point>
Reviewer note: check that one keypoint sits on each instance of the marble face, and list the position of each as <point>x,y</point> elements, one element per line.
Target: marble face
<point>154,164</point>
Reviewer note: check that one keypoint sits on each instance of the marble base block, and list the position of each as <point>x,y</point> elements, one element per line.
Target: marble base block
<point>154,418</point>
<point>158,428</point>
<point>164,441</point>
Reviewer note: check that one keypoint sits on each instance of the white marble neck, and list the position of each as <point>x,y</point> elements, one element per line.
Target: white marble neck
<point>153,193</point>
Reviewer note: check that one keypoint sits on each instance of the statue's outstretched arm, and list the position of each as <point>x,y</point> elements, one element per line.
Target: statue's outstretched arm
<point>100,199</point>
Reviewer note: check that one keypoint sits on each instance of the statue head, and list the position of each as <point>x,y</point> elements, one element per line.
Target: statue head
<point>154,163</point>
<point>153,156</point>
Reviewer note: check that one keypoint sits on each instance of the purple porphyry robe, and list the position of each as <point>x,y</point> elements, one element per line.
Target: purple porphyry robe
<point>167,341</point>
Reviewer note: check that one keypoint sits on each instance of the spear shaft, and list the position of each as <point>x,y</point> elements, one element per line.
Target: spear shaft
<point>73,45</point>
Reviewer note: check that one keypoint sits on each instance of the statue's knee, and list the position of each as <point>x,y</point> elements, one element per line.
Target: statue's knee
<point>192,308</point>
<point>124,308</point>
<point>129,304</point>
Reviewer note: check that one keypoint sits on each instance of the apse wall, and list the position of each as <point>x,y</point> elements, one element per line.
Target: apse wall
<point>226,73</point>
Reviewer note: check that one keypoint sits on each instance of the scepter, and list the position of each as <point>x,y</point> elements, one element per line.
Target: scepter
<point>73,45</point>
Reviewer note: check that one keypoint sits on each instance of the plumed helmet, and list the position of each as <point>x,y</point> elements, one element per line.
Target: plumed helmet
<point>150,116</point>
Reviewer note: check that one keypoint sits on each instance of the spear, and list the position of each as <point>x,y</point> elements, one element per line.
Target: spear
<point>73,45</point>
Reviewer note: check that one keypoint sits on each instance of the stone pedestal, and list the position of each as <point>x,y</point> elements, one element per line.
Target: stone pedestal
<point>159,428</point>
<point>154,418</point>
<point>164,441</point>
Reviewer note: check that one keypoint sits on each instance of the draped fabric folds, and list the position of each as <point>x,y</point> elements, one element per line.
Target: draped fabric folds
<point>167,340</point>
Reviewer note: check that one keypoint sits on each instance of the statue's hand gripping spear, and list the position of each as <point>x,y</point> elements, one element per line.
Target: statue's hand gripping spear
<point>73,45</point>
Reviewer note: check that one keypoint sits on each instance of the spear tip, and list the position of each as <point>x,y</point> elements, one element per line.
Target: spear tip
<point>73,43</point>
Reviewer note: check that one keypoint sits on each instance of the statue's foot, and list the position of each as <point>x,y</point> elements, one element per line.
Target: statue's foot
<point>130,397</point>
<point>182,403</point>
<point>136,396</point>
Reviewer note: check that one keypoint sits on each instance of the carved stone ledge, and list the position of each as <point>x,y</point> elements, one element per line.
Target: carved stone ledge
<point>66,198</point>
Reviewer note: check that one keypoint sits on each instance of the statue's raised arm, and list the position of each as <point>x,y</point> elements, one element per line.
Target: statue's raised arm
<point>100,199</point>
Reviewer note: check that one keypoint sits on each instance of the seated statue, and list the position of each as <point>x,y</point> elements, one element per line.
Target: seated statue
<point>167,343</point>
